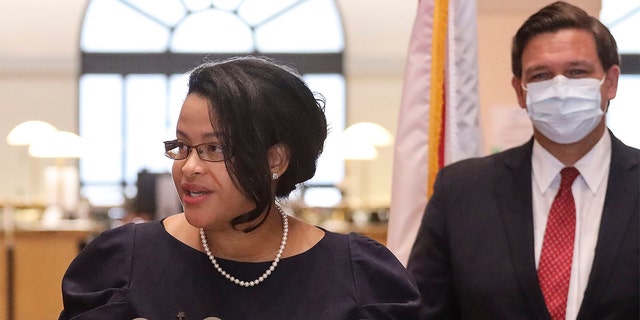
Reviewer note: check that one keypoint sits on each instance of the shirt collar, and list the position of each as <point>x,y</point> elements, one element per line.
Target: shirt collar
<point>592,166</point>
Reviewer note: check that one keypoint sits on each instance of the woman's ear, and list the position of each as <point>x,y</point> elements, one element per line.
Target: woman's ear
<point>278,159</point>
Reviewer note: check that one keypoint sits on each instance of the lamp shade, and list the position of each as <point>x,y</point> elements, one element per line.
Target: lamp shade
<point>359,151</point>
<point>59,144</point>
<point>359,141</point>
<point>27,132</point>
<point>370,133</point>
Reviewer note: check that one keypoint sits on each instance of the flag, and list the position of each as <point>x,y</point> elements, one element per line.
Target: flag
<point>439,113</point>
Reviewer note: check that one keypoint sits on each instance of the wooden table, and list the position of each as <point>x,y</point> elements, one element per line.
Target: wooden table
<point>375,231</point>
<point>41,255</point>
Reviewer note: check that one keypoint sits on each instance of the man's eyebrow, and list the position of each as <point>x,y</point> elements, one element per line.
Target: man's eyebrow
<point>580,63</point>
<point>575,63</point>
<point>535,68</point>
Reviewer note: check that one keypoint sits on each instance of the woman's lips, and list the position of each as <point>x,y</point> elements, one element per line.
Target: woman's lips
<point>194,194</point>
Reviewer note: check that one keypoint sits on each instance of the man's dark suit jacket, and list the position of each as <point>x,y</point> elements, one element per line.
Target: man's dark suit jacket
<point>474,258</point>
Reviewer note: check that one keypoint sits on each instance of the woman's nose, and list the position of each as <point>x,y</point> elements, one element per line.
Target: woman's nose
<point>192,164</point>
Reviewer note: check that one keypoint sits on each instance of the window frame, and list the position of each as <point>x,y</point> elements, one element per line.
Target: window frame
<point>170,63</point>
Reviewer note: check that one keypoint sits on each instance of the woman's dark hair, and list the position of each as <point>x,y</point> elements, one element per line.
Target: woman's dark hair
<point>255,104</point>
<point>561,15</point>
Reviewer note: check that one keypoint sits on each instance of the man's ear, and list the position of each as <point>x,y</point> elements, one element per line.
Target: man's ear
<point>278,159</point>
<point>520,93</point>
<point>610,85</point>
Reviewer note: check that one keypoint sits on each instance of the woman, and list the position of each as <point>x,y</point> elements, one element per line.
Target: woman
<point>249,130</point>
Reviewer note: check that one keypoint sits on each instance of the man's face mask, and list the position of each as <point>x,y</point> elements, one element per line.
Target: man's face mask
<point>564,110</point>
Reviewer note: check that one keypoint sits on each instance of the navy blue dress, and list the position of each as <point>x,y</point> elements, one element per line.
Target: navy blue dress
<point>141,271</point>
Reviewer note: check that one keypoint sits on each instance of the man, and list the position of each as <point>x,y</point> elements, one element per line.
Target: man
<point>484,249</point>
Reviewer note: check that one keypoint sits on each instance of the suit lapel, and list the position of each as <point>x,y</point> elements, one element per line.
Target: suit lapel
<point>620,200</point>
<point>513,189</point>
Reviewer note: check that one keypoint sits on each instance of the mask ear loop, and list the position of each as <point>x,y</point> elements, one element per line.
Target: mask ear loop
<point>603,78</point>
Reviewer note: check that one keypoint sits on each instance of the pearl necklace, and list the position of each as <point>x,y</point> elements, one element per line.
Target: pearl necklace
<point>274,264</point>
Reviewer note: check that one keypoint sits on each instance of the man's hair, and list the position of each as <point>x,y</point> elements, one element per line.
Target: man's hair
<point>558,16</point>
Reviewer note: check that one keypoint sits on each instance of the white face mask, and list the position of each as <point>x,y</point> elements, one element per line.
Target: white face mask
<point>564,110</point>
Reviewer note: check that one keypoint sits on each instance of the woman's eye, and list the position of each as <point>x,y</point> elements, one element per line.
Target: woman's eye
<point>214,148</point>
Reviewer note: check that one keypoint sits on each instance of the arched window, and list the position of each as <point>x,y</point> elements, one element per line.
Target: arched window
<point>623,19</point>
<point>134,56</point>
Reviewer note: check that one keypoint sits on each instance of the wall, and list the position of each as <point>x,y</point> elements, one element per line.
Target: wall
<point>38,63</point>
<point>377,34</point>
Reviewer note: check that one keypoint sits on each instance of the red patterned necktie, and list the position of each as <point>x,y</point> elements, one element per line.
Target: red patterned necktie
<point>554,269</point>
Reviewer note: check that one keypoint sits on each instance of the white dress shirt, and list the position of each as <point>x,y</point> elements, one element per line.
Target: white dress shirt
<point>588,190</point>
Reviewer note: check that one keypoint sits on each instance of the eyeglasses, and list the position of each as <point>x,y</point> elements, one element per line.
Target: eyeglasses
<point>178,150</point>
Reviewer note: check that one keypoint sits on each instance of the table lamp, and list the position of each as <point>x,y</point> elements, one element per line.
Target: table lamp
<point>360,142</point>
<point>61,181</point>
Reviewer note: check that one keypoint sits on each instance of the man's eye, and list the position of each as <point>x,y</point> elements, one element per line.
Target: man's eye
<point>577,72</point>
<point>539,77</point>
